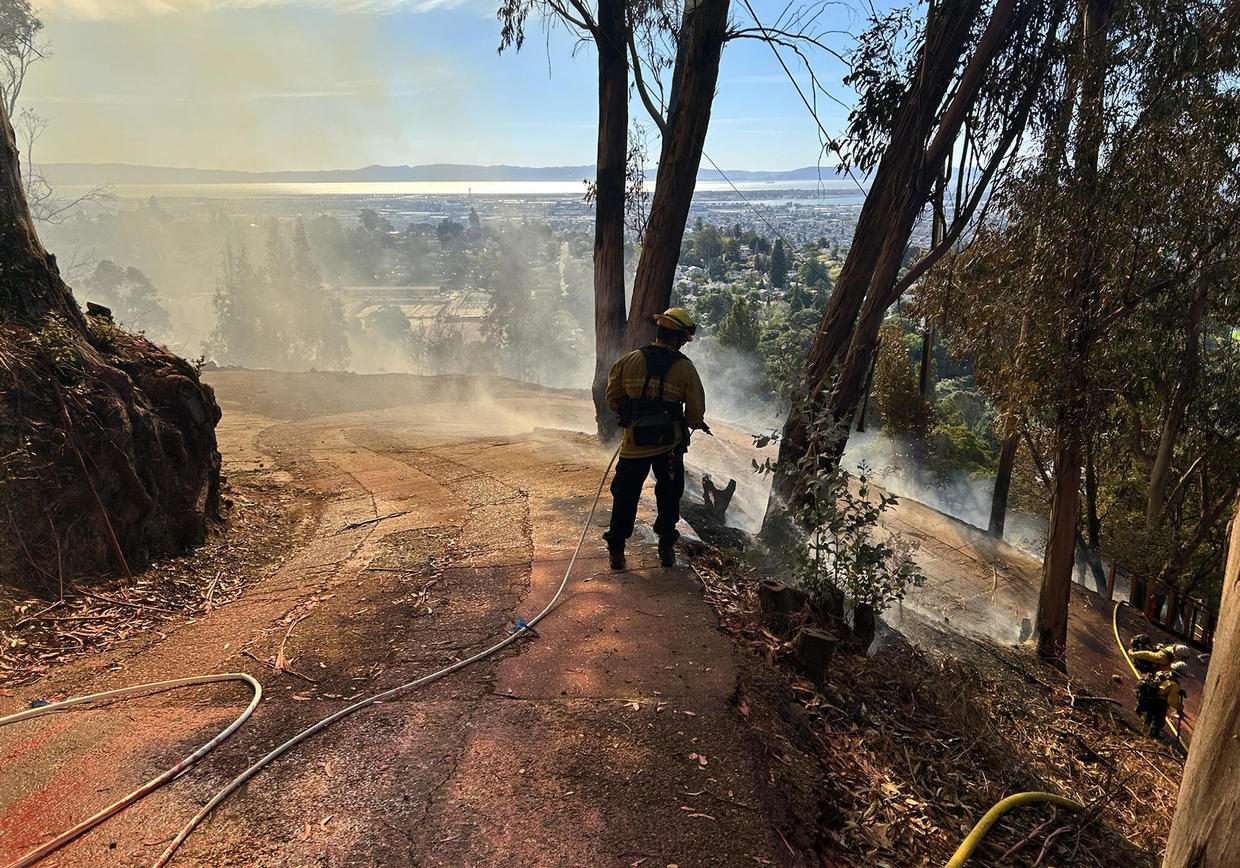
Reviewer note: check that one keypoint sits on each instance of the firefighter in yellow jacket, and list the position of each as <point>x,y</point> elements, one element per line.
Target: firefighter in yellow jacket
<point>1158,659</point>
<point>1160,692</point>
<point>657,396</point>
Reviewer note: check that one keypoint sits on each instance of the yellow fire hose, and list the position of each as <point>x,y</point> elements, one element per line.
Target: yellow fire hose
<point>969,844</point>
<point>974,838</point>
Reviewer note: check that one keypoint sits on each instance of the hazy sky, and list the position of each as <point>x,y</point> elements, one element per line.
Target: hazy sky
<point>311,84</point>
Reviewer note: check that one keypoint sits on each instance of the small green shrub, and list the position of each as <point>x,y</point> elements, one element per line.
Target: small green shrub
<point>837,557</point>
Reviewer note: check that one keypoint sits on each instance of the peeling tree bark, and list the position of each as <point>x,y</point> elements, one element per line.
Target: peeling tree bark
<point>703,32</point>
<point>1204,832</point>
<point>613,126</point>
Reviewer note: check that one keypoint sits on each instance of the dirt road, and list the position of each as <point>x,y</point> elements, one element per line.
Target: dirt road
<point>610,740</point>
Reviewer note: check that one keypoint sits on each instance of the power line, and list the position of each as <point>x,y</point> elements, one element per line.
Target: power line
<point>830,140</point>
<point>788,245</point>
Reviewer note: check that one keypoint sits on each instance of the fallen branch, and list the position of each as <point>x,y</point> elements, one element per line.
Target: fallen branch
<point>355,525</point>
<point>281,663</point>
<point>115,602</point>
<point>206,607</point>
<point>247,653</point>
<point>39,614</point>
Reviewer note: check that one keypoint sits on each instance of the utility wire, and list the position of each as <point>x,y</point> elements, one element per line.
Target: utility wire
<point>788,245</point>
<point>828,138</point>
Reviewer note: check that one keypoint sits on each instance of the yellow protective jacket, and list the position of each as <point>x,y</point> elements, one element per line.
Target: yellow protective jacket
<point>1157,660</point>
<point>1170,690</point>
<point>682,384</point>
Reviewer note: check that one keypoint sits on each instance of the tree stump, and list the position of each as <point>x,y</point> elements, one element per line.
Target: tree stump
<point>717,500</point>
<point>780,605</point>
<point>814,649</point>
<point>865,623</point>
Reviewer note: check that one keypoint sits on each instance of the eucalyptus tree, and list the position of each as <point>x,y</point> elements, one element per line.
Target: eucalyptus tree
<point>944,94</point>
<point>1124,219</point>
<point>641,45</point>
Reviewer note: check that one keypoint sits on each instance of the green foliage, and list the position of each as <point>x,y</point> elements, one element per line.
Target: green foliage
<point>131,296</point>
<point>960,402</point>
<point>840,557</point>
<point>101,334</point>
<point>711,306</point>
<point>1076,301</point>
<point>779,265</point>
<point>738,329</point>
<point>951,449</point>
<point>784,346</point>
<point>280,316</point>
<point>903,409</point>
<point>56,341</point>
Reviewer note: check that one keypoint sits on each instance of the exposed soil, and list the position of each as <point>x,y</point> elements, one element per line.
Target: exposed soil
<point>262,520</point>
<point>425,515</point>
<point>613,739</point>
<point>107,452</point>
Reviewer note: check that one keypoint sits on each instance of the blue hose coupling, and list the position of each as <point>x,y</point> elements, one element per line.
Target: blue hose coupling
<point>521,625</point>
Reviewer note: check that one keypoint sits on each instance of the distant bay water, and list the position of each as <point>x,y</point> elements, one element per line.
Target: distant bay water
<point>832,188</point>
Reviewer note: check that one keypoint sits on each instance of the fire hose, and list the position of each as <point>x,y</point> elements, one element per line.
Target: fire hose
<point>970,843</point>
<point>154,783</point>
<point>521,629</point>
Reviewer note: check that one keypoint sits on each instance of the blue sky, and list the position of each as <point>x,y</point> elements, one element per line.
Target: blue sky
<point>311,84</point>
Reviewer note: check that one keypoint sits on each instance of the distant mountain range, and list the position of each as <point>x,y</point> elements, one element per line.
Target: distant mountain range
<point>89,174</point>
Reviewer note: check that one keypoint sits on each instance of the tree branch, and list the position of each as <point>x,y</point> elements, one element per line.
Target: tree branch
<point>970,80</point>
<point>636,66</point>
<point>585,22</point>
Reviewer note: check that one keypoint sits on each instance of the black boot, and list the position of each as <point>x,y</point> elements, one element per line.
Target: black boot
<point>667,551</point>
<point>615,555</point>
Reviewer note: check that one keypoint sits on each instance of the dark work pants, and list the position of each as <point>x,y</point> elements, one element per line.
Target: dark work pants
<point>1156,716</point>
<point>626,490</point>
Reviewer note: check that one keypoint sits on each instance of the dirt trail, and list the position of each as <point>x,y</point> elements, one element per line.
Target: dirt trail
<point>983,587</point>
<point>611,740</point>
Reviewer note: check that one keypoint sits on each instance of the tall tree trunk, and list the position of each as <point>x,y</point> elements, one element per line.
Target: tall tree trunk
<point>613,130</point>
<point>702,34</point>
<point>902,183</point>
<point>927,350</point>
<point>1204,832</point>
<point>1003,484</point>
<point>30,284</point>
<point>937,232</point>
<point>865,401</point>
<point>1092,544</point>
<point>1177,410</point>
<point>1051,626</point>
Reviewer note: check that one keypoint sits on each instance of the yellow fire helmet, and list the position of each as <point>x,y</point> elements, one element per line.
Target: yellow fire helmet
<point>677,318</point>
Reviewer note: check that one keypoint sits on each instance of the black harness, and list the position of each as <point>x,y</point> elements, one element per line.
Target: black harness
<point>654,420</point>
